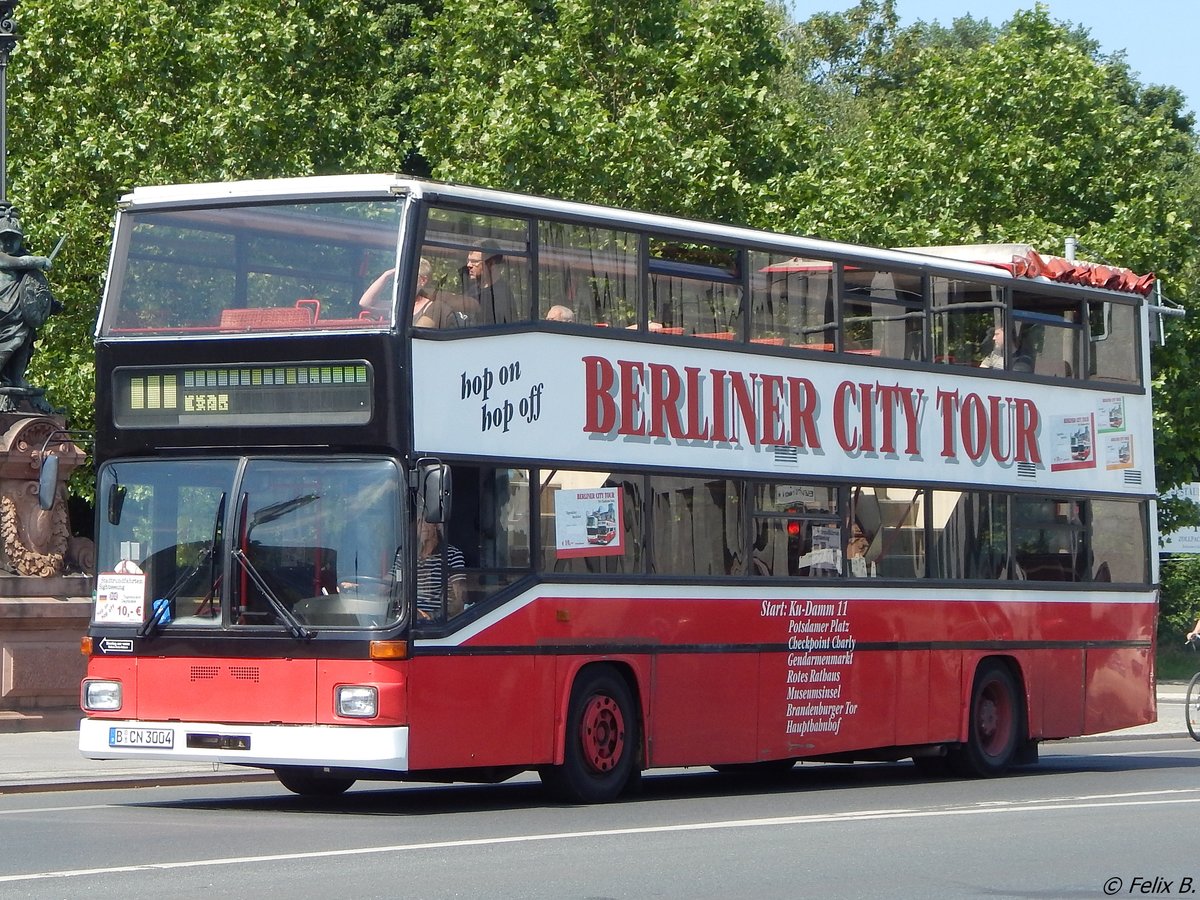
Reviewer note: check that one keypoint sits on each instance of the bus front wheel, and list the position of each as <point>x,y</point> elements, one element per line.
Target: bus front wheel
<point>994,729</point>
<point>601,749</point>
<point>309,783</point>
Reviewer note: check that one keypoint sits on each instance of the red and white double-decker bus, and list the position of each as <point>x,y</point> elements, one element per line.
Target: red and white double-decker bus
<point>369,508</point>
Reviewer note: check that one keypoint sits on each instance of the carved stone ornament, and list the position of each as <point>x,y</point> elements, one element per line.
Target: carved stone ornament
<point>34,541</point>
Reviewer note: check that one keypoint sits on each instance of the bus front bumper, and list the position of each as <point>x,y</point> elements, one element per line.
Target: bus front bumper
<point>268,746</point>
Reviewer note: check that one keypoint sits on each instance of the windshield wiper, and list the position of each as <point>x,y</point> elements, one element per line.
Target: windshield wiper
<point>162,610</point>
<point>281,509</point>
<point>294,625</point>
<point>158,612</point>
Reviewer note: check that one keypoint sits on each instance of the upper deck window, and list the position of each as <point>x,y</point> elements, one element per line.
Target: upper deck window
<point>883,313</point>
<point>478,270</point>
<point>695,289</point>
<point>1049,334</point>
<point>252,268</point>
<point>968,323</point>
<point>588,275</point>
<point>792,302</point>
<point>1113,341</point>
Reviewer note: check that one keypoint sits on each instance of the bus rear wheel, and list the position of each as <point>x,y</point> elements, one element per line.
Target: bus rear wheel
<point>310,783</point>
<point>994,729</point>
<point>601,749</point>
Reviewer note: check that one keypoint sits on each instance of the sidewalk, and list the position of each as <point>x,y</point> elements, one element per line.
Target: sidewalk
<point>50,760</point>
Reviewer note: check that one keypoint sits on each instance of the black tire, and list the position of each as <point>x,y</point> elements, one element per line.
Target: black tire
<point>600,756</point>
<point>310,783</point>
<point>1191,709</point>
<point>994,728</point>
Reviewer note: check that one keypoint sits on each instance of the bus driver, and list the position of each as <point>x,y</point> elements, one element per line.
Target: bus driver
<point>440,579</point>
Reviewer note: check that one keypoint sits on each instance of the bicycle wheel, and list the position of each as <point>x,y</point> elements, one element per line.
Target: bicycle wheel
<point>1191,709</point>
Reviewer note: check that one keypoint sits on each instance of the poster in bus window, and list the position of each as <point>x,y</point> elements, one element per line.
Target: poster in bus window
<point>1072,442</point>
<point>1110,415</point>
<point>586,522</point>
<point>1118,451</point>
<point>805,496</point>
<point>120,598</point>
<point>825,558</point>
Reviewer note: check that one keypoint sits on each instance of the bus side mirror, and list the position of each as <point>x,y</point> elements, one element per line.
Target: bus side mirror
<point>1099,317</point>
<point>434,493</point>
<point>48,482</point>
<point>116,500</point>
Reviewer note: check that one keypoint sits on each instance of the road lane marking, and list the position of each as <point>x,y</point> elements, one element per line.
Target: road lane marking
<point>1142,753</point>
<point>1116,800</point>
<point>54,809</point>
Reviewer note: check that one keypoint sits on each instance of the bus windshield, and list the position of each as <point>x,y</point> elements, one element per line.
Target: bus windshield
<point>285,542</point>
<point>254,268</point>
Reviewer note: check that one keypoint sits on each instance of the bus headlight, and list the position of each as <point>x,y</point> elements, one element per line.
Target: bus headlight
<point>357,701</point>
<point>102,695</point>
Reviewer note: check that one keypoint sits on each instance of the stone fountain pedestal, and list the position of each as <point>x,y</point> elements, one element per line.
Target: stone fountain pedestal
<point>45,597</point>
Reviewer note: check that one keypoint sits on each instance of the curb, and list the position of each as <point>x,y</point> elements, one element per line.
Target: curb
<point>117,782</point>
<point>1085,738</point>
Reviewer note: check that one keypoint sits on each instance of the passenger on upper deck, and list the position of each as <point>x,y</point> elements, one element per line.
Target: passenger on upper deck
<point>428,312</point>
<point>995,359</point>
<point>560,313</point>
<point>488,288</point>
<point>378,295</point>
<point>1022,353</point>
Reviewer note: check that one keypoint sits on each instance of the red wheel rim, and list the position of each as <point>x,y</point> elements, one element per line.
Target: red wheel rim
<point>602,733</point>
<point>994,722</point>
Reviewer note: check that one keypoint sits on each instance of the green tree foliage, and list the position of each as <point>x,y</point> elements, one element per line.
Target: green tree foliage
<point>105,97</point>
<point>1025,139</point>
<point>1177,389</point>
<point>853,52</point>
<point>665,104</point>
<point>392,97</point>
<point>1180,600</point>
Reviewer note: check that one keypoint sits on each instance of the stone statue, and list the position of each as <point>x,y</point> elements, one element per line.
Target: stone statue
<point>33,540</point>
<point>25,304</point>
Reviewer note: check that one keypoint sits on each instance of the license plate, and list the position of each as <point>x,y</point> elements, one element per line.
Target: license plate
<point>162,738</point>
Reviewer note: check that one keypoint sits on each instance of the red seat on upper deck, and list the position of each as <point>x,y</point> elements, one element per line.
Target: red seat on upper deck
<point>267,318</point>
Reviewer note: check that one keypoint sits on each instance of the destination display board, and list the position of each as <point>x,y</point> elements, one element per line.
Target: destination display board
<point>323,393</point>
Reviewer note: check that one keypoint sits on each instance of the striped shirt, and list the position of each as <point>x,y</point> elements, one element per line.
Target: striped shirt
<point>432,579</point>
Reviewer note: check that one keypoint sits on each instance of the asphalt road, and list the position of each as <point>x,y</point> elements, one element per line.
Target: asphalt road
<point>1094,818</point>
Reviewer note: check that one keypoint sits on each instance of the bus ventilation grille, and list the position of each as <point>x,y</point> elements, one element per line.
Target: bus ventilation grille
<point>1133,476</point>
<point>1026,470</point>
<point>787,456</point>
<point>244,673</point>
<point>205,673</point>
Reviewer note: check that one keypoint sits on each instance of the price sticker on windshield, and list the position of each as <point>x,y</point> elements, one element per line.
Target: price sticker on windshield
<point>120,599</point>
